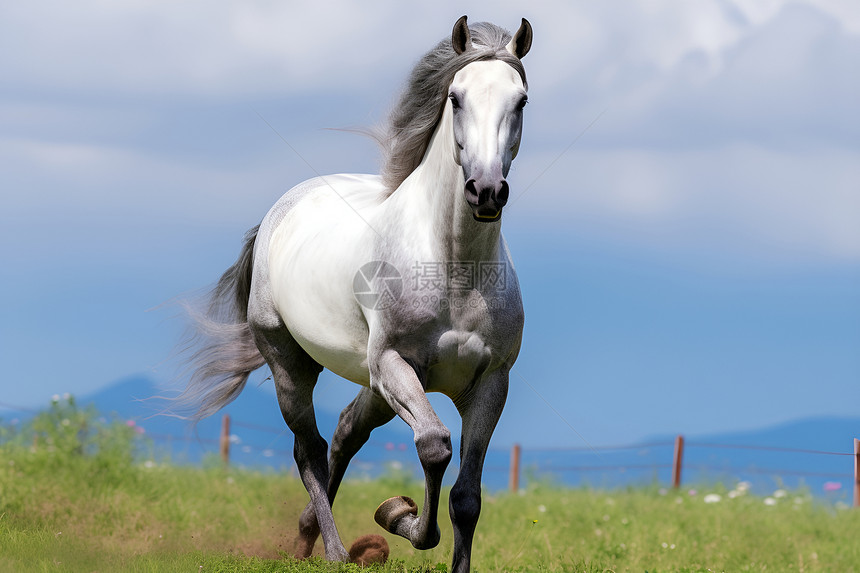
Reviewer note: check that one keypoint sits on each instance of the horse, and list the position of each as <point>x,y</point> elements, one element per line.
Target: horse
<point>321,282</point>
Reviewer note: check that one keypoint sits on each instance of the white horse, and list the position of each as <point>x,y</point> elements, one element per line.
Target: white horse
<point>401,283</point>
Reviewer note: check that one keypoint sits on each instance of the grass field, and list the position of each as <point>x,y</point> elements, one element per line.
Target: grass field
<point>73,498</point>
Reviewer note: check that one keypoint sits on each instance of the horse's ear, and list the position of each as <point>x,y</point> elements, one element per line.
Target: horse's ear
<point>521,43</point>
<point>460,37</point>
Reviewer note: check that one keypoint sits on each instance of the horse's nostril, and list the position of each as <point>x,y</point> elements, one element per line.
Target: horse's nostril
<point>502,194</point>
<point>472,192</point>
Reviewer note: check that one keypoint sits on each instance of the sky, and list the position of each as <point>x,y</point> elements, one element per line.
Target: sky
<point>685,212</point>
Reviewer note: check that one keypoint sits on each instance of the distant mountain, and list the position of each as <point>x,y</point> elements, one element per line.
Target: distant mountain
<point>819,433</point>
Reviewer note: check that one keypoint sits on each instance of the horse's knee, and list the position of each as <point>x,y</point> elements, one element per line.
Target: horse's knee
<point>434,448</point>
<point>465,505</point>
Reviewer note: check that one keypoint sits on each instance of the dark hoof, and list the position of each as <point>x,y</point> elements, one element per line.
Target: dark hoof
<point>369,550</point>
<point>392,510</point>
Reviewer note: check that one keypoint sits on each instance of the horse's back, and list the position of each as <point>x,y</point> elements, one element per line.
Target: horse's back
<point>308,249</point>
<point>347,193</point>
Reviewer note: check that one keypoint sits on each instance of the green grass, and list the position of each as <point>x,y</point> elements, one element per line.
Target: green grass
<point>78,502</point>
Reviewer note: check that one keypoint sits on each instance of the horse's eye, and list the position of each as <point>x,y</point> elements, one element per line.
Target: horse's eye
<point>522,103</point>
<point>455,103</point>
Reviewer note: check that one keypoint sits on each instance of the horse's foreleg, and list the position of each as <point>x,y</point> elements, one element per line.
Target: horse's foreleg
<point>395,380</point>
<point>365,413</point>
<point>480,413</point>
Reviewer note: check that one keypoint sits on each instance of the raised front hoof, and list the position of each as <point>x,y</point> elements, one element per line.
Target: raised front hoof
<point>369,550</point>
<point>392,513</point>
<point>399,515</point>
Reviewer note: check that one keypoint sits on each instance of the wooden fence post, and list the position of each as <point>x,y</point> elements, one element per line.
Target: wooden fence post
<point>856,472</point>
<point>515,468</point>
<point>225,439</point>
<point>677,461</point>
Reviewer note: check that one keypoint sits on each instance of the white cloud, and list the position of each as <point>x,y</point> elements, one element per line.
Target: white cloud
<point>719,114</point>
<point>83,184</point>
<point>198,48</point>
<point>781,80</point>
<point>748,201</point>
<point>733,134</point>
<point>218,48</point>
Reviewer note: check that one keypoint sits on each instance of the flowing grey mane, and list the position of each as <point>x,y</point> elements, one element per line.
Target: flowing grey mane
<point>410,125</point>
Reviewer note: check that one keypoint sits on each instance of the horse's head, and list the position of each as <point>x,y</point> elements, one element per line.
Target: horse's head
<point>487,98</point>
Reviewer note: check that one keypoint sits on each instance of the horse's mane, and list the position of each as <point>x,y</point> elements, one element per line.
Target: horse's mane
<point>406,135</point>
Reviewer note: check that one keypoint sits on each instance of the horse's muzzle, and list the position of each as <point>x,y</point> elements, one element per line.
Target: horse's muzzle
<point>486,199</point>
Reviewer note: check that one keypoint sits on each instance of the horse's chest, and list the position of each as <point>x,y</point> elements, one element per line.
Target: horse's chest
<point>455,337</point>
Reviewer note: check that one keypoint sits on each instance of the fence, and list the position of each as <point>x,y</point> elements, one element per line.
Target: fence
<point>676,464</point>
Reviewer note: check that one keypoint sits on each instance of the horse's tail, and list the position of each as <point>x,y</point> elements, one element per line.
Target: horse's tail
<point>221,346</point>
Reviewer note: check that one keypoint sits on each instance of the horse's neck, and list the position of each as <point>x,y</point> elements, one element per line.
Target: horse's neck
<point>432,198</point>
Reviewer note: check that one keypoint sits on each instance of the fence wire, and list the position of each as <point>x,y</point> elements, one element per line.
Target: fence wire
<point>539,467</point>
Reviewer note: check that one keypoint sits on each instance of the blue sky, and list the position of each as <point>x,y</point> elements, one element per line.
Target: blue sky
<point>689,263</point>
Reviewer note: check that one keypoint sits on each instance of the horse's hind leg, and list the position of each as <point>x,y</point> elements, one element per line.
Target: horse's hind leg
<point>295,374</point>
<point>365,413</point>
